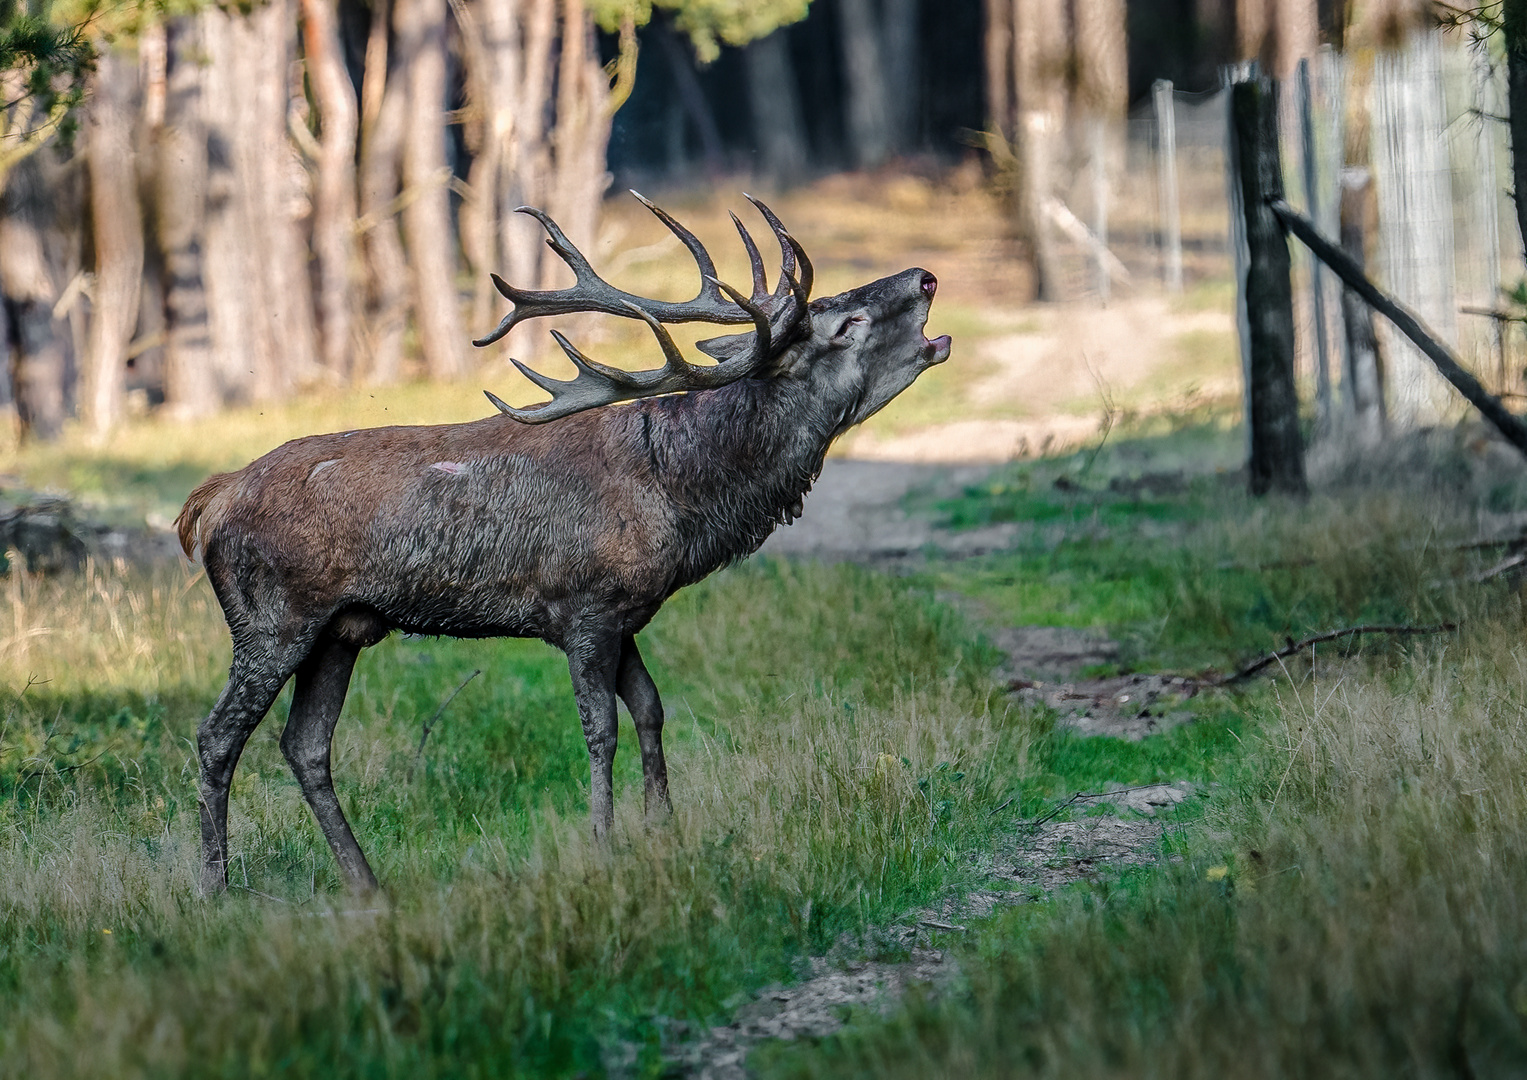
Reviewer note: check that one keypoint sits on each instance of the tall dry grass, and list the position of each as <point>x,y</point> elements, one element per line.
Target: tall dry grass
<point>1356,906</point>
<point>834,744</point>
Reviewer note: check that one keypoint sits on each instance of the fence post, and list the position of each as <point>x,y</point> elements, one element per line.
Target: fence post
<point>1317,270</point>
<point>1277,451</point>
<point>1097,137</point>
<point>1166,159</point>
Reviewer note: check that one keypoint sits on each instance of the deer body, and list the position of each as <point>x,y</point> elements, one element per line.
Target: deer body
<point>574,532</point>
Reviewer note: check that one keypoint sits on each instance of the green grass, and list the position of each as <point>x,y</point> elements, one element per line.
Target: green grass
<point>1351,907</point>
<point>839,754</point>
<point>835,742</point>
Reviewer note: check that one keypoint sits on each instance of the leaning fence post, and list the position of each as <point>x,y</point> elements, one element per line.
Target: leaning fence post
<point>1277,451</point>
<point>1166,160</point>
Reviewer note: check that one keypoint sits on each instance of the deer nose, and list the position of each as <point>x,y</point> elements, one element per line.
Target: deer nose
<point>930,285</point>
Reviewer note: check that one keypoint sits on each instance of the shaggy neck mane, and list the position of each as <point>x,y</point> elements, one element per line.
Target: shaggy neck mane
<point>736,462</point>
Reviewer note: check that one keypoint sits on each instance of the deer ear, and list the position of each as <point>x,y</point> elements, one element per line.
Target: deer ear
<point>722,349</point>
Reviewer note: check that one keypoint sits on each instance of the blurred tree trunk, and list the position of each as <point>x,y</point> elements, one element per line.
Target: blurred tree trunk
<point>117,228</point>
<point>383,121</point>
<point>583,129</point>
<point>259,292</point>
<point>490,44</point>
<point>692,97</point>
<point>864,70</point>
<point>899,30</point>
<point>778,127</point>
<point>527,158</point>
<point>420,29</point>
<point>1277,33</point>
<point>190,386</point>
<point>29,289</point>
<point>334,191</point>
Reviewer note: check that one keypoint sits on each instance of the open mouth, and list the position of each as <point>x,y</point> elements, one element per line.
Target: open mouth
<point>937,350</point>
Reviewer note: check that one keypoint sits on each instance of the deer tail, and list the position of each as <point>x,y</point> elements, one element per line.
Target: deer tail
<point>203,511</point>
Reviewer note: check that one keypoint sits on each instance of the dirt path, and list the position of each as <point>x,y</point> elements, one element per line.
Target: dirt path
<point>856,513</point>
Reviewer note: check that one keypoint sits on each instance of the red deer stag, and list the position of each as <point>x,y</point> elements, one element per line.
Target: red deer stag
<point>574,532</point>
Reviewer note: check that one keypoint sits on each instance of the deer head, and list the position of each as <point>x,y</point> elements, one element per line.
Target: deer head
<point>864,346</point>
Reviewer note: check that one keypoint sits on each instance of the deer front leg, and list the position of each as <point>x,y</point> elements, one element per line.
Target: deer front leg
<point>593,663</point>
<point>640,694</point>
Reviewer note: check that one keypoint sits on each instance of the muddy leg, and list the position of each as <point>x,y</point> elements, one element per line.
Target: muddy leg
<point>322,680</point>
<point>220,740</point>
<point>592,663</point>
<point>639,692</point>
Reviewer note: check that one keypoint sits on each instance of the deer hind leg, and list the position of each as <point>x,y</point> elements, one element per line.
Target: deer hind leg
<point>322,681</point>
<point>639,692</point>
<point>220,738</point>
<point>593,662</point>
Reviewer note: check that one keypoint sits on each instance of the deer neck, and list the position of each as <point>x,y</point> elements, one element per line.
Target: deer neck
<point>735,463</point>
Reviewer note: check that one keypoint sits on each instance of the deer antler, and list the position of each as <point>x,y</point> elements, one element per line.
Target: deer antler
<point>717,302</point>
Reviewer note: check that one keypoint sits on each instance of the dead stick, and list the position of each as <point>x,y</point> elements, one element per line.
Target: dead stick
<point>1330,635</point>
<point>1408,322</point>
<point>419,754</point>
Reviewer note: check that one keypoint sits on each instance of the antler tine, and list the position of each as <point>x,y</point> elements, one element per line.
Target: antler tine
<point>597,384</point>
<point>755,261</point>
<point>786,251</point>
<point>702,257</point>
<point>763,337</point>
<point>592,293</point>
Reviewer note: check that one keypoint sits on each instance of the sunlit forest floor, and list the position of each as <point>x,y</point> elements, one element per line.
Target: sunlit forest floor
<point>1342,892</point>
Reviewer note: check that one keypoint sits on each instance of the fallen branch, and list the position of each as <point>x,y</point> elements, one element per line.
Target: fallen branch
<point>1037,822</point>
<point>1408,322</point>
<point>430,726</point>
<point>1295,647</point>
<point>1502,567</point>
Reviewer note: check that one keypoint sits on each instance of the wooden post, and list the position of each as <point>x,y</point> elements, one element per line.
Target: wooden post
<point>1317,271</point>
<point>1099,151</point>
<point>1277,451</point>
<point>1166,163</point>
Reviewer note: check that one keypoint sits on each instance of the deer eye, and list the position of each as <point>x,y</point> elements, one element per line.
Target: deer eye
<point>851,322</point>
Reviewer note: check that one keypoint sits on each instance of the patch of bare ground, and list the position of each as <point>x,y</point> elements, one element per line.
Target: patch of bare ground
<point>856,513</point>
<point>1034,861</point>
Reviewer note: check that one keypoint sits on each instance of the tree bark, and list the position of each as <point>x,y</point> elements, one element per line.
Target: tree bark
<point>190,385</point>
<point>117,227</point>
<point>381,156</point>
<point>420,28</point>
<point>777,125</point>
<point>258,289</point>
<point>1277,450</point>
<point>582,132</point>
<point>28,286</point>
<point>334,190</point>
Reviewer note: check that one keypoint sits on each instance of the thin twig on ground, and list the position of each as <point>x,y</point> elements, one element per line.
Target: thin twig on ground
<point>430,725</point>
<point>1502,567</point>
<point>1295,647</point>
